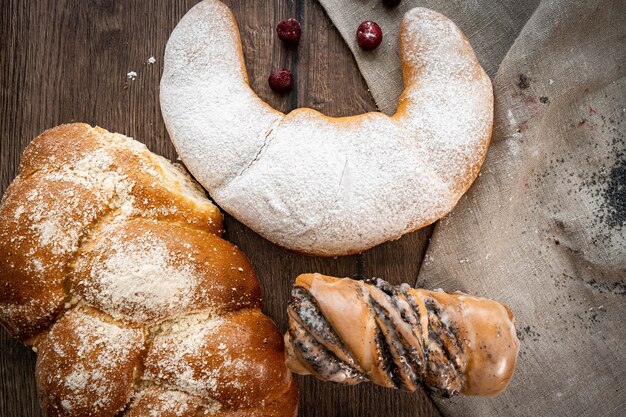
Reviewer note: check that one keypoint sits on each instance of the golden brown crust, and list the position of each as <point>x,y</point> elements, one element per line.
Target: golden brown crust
<point>106,250</point>
<point>157,182</point>
<point>285,406</point>
<point>86,365</point>
<point>231,359</point>
<point>167,403</point>
<point>72,177</point>
<point>220,277</point>
<point>36,250</point>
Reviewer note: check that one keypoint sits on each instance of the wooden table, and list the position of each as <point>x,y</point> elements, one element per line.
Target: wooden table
<point>67,60</point>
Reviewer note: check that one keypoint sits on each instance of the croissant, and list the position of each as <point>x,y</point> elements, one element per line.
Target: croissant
<point>112,268</point>
<point>323,185</point>
<point>348,331</point>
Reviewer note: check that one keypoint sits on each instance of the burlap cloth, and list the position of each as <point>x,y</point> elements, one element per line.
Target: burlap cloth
<point>543,228</point>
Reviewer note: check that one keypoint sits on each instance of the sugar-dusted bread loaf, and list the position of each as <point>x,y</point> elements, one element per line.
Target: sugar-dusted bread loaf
<point>323,185</point>
<point>112,268</point>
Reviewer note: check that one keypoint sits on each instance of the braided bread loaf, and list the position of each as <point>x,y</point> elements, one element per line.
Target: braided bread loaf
<point>112,268</point>
<point>349,331</point>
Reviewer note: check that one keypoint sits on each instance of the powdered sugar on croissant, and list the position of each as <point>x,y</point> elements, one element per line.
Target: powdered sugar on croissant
<point>323,185</point>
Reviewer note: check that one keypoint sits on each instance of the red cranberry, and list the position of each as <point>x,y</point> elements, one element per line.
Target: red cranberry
<point>280,80</point>
<point>391,3</point>
<point>369,35</point>
<point>289,31</point>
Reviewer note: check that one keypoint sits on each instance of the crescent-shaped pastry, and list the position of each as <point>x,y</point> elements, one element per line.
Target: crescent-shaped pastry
<point>318,184</point>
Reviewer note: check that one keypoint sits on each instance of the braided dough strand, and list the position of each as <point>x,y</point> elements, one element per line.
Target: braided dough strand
<point>318,184</point>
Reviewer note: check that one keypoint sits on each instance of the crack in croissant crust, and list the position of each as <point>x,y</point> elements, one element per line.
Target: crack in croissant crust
<point>113,269</point>
<point>317,184</point>
<point>349,331</point>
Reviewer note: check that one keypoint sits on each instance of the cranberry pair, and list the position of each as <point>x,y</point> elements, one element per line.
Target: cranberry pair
<point>289,31</point>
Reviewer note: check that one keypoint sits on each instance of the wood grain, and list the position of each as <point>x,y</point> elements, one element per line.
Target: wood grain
<point>67,61</point>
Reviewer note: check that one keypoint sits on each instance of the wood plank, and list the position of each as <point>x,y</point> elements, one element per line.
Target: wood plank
<point>67,61</point>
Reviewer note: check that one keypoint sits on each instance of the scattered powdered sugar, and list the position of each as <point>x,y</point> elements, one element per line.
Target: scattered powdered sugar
<point>132,75</point>
<point>174,350</point>
<point>77,380</point>
<point>95,171</point>
<point>198,360</point>
<point>32,195</point>
<point>173,402</point>
<point>9,311</point>
<point>127,143</point>
<point>56,221</point>
<point>18,213</point>
<point>92,354</point>
<point>95,332</point>
<point>67,405</point>
<point>64,203</point>
<point>60,221</point>
<point>151,60</point>
<point>52,233</point>
<point>184,323</point>
<point>203,56</point>
<point>140,280</point>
